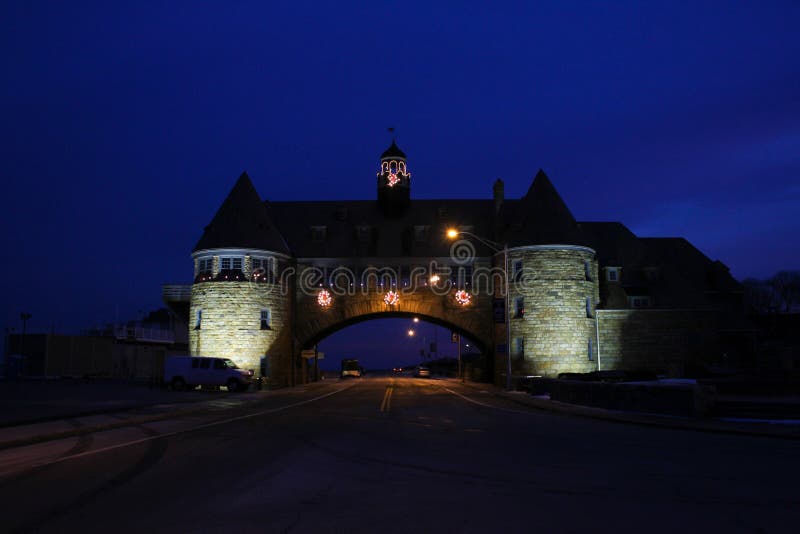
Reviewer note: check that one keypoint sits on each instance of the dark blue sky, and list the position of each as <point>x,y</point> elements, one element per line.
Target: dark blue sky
<point>123,128</point>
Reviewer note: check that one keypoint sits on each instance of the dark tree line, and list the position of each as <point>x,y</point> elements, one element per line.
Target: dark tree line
<point>779,293</point>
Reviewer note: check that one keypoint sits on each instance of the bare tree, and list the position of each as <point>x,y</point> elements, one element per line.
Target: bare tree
<point>786,285</point>
<point>760,296</point>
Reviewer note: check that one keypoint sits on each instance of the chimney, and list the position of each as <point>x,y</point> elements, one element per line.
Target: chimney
<point>498,195</point>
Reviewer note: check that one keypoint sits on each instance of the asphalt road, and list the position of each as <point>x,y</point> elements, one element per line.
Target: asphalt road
<point>397,454</point>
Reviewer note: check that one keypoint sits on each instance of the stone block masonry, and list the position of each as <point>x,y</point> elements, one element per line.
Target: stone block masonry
<point>230,325</point>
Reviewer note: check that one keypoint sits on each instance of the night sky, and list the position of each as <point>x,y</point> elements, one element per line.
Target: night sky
<point>124,127</point>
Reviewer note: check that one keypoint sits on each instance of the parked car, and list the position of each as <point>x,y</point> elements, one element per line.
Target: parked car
<point>188,372</point>
<point>422,372</point>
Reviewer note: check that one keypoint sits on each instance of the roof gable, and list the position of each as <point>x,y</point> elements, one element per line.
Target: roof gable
<point>542,218</point>
<point>242,221</point>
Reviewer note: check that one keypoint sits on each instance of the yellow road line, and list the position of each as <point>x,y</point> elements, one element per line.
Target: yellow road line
<point>387,398</point>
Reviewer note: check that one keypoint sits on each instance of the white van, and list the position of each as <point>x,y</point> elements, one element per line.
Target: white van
<point>188,372</point>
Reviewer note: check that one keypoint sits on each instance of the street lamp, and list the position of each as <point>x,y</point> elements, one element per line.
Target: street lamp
<point>452,233</point>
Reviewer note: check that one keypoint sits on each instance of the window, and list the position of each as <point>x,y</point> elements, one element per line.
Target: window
<point>195,363</point>
<point>220,365</point>
<point>612,274</point>
<point>205,363</point>
<point>589,311</point>
<point>205,265</point>
<point>198,320</point>
<point>519,307</point>
<point>421,233</point>
<point>466,275</point>
<point>264,267</point>
<point>518,347</point>
<point>651,274</point>
<point>341,214</point>
<point>590,353</point>
<point>319,233</point>
<point>265,319</point>
<point>516,269</point>
<point>363,232</point>
<point>639,301</point>
<point>587,270</point>
<point>230,263</point>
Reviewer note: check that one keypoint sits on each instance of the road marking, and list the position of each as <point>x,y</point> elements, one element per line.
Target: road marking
<point>473,401</point>
<point>386,405</point>
<point>187,430</point>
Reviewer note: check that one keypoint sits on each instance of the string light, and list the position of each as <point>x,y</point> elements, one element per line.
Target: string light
<point>391,298</point>
<point>393,179</point>
<point>463,297</point>
<point>324,298</point>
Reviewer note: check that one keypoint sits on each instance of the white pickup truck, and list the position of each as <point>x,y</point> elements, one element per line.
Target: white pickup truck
<point>188,372</point>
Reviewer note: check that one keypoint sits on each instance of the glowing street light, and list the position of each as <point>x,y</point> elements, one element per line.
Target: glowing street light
<point>453,233</point>
<point>410,333</point>
<point>416,319</point>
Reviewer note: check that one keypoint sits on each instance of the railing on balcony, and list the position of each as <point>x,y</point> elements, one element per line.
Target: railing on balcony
<point>176,292</point>
<point>138,333</point>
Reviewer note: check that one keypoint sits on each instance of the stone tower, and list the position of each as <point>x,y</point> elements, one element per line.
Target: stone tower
<point>553,287</point>
<point>239,307</point>
<point>394,182</point>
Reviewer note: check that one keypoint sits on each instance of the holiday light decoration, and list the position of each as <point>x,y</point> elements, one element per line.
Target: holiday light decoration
<point>463,297</point>
<point>324,298</point>
<point>391,298</point>
<point>393,179</point>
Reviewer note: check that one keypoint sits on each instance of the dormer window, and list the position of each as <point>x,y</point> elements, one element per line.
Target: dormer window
<point>421,233</point>
<point>612,274</point>
<point>364,233</point>
<point>341,214</point>
<point>651,273</point>
<point>442,212</point>
<point>319,233</point>
<point>639,301</point>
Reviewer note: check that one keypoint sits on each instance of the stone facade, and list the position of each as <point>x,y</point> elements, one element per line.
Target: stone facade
<point>230,325</point>
<point>660,340</point>
<point>555,265</point>
<point>559,291</point>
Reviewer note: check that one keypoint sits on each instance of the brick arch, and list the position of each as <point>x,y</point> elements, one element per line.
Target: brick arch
<point>315,323</point>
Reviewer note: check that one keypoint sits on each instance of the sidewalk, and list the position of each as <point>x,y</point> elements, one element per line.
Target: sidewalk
<point>38,411</point>
<point>775,429</point>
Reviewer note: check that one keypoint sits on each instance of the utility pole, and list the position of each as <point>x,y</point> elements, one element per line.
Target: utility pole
<point>25,316</point>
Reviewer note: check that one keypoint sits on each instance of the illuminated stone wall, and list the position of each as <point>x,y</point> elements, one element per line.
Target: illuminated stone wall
<point>555,329</point>
<point>315,322</point>
<point>231,325</point>
<point>663,341</point>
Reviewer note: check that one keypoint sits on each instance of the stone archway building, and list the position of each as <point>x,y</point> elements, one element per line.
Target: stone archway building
<point>273,278</point>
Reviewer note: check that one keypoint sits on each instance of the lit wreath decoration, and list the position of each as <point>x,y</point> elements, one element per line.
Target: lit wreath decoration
<point>393,179</point>
<point>463,297</point>
<point>391,298</point>
<point>324,298</point>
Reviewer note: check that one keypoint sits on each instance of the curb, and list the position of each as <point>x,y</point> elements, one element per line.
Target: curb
<point>646,419</point>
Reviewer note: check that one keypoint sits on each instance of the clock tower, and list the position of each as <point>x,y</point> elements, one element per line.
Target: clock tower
<point>394,181</point>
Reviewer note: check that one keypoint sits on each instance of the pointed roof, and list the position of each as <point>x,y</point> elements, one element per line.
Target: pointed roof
<point>393,152</point>
<point>242,221</point>
<point>542,218</point>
